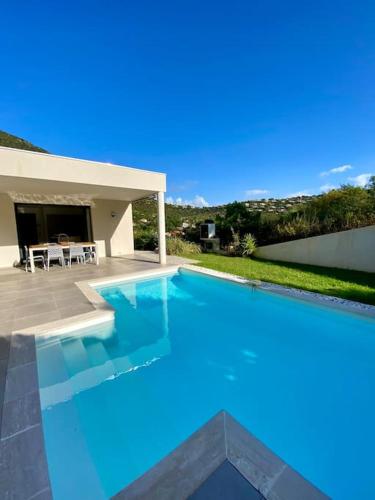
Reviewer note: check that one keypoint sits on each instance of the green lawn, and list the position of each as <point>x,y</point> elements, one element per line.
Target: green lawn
<point>352,285</point>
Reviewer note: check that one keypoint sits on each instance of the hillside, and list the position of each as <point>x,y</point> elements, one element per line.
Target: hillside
<point>145,214</point>
<point>277,205</point>
<point>144,211</point>
<point>12,141</point>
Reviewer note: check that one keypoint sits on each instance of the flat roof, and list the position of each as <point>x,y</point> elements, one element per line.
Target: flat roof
<point>30,172</point>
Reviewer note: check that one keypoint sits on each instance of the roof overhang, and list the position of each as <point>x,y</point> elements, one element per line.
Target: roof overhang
<point>30,173</point>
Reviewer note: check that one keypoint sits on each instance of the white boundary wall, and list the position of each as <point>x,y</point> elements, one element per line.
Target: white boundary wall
<point>354,249</point>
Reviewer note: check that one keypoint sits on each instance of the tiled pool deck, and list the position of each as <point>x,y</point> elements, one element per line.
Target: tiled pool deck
<point>27,301</point>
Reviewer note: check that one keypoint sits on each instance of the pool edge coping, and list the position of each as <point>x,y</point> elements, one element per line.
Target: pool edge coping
<point>330,301</point>
<point>182,471</point>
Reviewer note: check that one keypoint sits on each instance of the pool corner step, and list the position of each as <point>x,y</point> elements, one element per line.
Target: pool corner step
<point>221,453</point>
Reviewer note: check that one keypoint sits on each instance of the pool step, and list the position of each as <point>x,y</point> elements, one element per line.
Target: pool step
<point>54,378</point>
<point>88,364</point>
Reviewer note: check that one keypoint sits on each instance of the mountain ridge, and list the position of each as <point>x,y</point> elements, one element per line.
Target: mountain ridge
<point>12,141</point>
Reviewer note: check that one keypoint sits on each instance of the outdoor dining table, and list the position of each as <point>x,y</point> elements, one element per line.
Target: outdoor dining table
<point>42,247</point>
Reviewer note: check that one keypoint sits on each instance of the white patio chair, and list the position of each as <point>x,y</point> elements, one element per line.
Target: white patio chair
<point>76,251</point>
<point>36,258</point>
<point>55,252</point>
<point>90,254</point>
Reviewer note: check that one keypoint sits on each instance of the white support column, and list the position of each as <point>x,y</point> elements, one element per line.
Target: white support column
<point>161,229</point>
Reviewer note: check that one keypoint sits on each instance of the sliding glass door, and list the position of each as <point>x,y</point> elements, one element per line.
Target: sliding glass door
<point>43,223</point>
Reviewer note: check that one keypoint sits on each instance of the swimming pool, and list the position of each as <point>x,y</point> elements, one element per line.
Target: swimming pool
<point>118,398</point>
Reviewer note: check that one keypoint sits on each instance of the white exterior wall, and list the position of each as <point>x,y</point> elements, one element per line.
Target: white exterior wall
<point>354,249</point>
<point>113,235</point>
<point>9,252</point>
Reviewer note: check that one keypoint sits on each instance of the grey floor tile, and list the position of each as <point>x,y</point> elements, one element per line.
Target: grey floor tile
<point>7,302</point>
<point>21,380</point>
<point>3,368</point>
<point>45,494</point>
<point>72,300</point>
<point>35,298</point>
<point>3,372</point>
<point>20,414</point>
<point>35,309</point>
<point>17,297</point>
<point>38,319</point>
<point>4,345</point>
<point>66,293</point>
<point>7,315</point>
<point>74,309</point>
<point>23,466</point>
<point>22,350</point>
<point>8,294</point>
<point>6,328</point>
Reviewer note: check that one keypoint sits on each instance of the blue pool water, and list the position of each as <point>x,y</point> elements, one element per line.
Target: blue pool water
<point>117,398</point>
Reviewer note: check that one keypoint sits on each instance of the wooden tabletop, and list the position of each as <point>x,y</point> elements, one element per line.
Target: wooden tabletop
<point>44,246</point>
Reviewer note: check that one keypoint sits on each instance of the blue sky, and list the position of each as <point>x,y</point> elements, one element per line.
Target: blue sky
<point>233,100</point>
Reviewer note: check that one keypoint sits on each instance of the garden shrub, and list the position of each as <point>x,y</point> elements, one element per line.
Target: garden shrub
<point>145,239</point>
<point>177,246</point>
<point>234,248</point>
<point>248,244</point>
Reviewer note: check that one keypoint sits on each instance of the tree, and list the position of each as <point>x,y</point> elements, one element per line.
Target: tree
<point>371,187</point>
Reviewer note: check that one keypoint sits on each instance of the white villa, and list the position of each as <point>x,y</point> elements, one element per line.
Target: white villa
<point>43,195</point>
